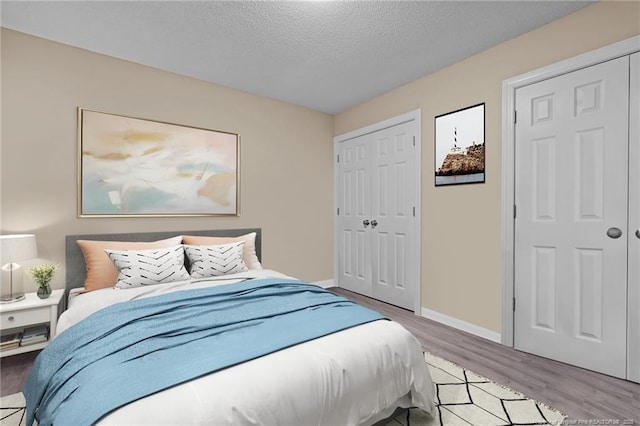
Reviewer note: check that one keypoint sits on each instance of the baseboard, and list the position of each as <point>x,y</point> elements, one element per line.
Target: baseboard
<point>461,325</point>
<point>324,283</point>
<point>441,318</point>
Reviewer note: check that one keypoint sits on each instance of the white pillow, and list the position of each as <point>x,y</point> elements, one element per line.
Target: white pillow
<point>138,268</point>
<point>250,257</point>
<point>212,261</point>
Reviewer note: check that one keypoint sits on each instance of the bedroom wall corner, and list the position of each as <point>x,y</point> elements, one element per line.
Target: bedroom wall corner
<point>461,224</point>
<point>286,183</point>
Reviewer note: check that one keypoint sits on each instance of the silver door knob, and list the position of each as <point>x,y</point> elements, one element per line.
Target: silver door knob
<point>365,223</point>
<point>638,233</point>
<point>374,223</point>
<point>614,233</point>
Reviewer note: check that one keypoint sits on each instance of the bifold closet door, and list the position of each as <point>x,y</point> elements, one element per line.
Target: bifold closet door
<point>571,225</point>
<point>377,243</point>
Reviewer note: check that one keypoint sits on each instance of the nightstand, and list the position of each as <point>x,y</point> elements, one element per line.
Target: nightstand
<point>27,313</point>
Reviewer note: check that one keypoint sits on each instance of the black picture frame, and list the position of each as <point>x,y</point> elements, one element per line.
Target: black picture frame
<point>460,146</point>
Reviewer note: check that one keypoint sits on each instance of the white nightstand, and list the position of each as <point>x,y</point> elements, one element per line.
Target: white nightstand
<point>29,312</point>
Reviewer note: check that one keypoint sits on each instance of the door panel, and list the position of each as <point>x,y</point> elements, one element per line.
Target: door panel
<point>590,174</point>
<point>544,281</point>
<point>589,294</point>
<point>544,178</point>
<point>571,187</point>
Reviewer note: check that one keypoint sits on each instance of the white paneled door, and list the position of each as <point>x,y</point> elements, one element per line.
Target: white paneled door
<point>354,215</point>
<point>572,217</point>
<point>376,214</point>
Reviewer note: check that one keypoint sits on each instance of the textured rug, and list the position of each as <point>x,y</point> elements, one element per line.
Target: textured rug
<point>462,398</point>
<point>466,398</point>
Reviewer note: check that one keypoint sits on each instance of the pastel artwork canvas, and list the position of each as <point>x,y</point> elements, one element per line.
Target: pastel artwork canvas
<point>131,166</point>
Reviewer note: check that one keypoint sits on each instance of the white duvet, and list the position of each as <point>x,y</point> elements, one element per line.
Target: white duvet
<point>356,376</point>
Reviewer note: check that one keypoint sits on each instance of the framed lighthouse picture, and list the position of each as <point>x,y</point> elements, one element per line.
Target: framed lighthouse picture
<point>459,146</point>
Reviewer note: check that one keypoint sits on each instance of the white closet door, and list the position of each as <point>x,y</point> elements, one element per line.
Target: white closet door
<point>354,215</point>
<point>571,191</point>
<point>377,184</point>
<point>393,189</point>
<point>633,359</point>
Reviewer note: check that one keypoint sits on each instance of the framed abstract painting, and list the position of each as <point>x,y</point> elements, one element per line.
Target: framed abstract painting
<point>132,167</point>
<point>459,146</point>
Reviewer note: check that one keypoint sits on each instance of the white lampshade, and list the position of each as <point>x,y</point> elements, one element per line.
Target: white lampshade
<point>14,248</point>
<point>17,247</point>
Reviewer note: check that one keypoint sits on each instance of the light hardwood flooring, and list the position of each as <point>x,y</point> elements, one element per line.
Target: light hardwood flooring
<point>581,394</point>
<point>14,370</point>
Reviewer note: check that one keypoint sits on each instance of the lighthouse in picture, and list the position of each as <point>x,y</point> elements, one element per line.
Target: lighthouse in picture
<point>455,149</point>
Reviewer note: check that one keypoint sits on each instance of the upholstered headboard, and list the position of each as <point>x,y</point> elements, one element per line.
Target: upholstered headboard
<point>75,266</point>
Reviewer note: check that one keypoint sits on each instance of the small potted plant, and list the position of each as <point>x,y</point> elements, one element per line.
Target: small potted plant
<point>42,275</point>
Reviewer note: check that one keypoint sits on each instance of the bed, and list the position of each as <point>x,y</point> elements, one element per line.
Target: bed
<point>283,352</point>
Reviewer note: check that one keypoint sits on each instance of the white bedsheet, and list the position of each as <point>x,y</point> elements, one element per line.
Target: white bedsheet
<point>356,376</point>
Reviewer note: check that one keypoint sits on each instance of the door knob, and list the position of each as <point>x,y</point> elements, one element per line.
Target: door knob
<point>374,223</point>
<point>365,223</point>
<point>638,233</point>
<point>614,233</point>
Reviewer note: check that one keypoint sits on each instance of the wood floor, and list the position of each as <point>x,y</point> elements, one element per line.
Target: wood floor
<point>14,370</point>
<point>581,394</point>
<point>578,393</point>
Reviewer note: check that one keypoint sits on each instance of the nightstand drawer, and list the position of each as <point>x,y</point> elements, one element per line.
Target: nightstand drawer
<point>24,317</point>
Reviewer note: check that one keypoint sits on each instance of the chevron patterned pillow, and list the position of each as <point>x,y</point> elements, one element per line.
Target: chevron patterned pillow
<point>148,267</point>
<point>211,261</point>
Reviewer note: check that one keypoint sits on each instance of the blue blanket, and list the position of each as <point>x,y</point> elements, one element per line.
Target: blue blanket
<point>134,349</point>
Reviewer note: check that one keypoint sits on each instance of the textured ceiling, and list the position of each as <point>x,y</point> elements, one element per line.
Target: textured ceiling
<point>324,55</point>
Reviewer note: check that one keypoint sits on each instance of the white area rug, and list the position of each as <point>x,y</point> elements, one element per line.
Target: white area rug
<point>462,397</point>
<point>12,410</point>
<point>466,398</point>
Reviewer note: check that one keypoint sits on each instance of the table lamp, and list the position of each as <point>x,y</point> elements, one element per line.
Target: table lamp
<point>14,248</point>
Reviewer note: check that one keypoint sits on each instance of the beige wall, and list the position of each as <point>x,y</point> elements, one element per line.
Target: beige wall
<point>286,151</point>
<point>286,179</point>
<point>461,225</point>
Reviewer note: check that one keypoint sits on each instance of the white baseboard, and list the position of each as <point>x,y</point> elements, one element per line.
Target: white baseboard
<point>324,283</point>
<point>461,325</point>
<point>441,318</point>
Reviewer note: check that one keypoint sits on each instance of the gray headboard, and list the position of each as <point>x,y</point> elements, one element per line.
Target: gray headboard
<point>76,270</point>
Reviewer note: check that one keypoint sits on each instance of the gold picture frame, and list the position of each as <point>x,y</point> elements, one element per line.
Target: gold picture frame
<point>135,167</point>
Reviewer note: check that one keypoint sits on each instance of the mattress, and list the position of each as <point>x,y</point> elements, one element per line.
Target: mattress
<point>356,376</point>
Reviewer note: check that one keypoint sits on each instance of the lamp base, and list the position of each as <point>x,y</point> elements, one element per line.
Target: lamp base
<point>11,283</point>
<point>10,298</point>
